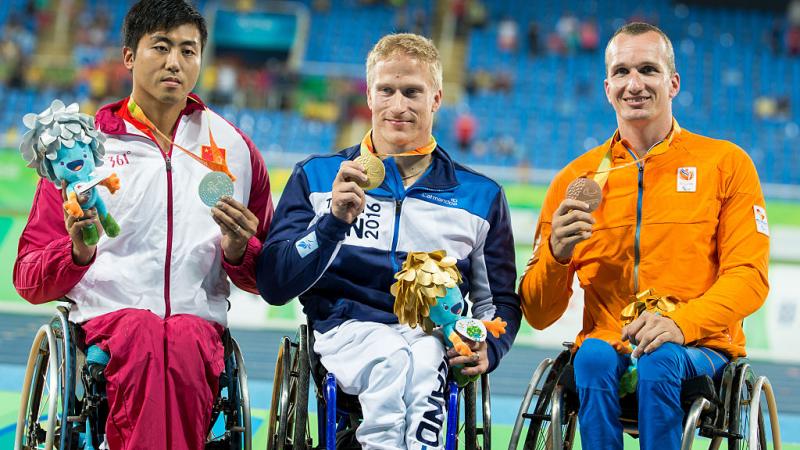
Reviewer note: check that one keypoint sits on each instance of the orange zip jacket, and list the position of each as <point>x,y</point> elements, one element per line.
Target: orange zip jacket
<point>709,247</point>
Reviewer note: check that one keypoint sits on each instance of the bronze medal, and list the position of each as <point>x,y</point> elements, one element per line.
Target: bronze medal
<point>587,191</point>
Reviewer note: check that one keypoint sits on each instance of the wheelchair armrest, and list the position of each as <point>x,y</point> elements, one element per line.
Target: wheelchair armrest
<point>702,386</point>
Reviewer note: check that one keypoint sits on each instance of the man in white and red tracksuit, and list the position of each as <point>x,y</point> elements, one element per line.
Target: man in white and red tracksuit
<point>155,297</point>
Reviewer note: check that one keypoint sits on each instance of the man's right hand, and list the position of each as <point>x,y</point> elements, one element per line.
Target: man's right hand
<point>81,253</point>
<point>348,200</point>
<point>572,223</point>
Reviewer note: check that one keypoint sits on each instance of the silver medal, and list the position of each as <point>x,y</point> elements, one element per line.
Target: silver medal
<point>214,186</point>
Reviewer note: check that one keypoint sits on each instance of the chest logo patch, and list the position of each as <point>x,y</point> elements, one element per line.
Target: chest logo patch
<point>687,179</point>
<point>762,226</point>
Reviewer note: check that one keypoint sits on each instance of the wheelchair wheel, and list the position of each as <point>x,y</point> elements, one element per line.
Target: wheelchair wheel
<point>232,403</point>
<point>49,412</point>
<point>757,433</point>
<point>486,403</point>
<point>553,421</point>
<point>471,428</point>
<point>239,422</point>
<point>299,409</point>
<point>742,417</point>
<point>279,408</point>
<point>288,416</point>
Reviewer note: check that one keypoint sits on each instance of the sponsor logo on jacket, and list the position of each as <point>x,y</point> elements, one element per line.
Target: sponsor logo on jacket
<point>437,199</point>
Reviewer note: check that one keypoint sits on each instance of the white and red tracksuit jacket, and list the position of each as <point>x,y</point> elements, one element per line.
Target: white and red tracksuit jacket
<point>167,258</point>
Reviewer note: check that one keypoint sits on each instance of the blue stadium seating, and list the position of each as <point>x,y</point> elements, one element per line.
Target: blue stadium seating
<point>558,104</point>
<point>557,107</point>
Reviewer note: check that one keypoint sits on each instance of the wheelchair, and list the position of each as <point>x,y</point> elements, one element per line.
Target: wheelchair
<point>63,402</point>
<point>728,410</point>
<point>339,414</point>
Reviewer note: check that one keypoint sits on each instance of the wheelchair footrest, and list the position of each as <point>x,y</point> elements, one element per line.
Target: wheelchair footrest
<point>711,432</point>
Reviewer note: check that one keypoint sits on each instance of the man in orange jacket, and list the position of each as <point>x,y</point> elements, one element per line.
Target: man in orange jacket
<point>682,215</point>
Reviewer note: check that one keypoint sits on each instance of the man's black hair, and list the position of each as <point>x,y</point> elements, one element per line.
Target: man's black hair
<point>148,16</point>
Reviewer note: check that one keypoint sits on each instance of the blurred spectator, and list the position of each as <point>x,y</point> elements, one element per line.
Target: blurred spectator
<point>793,41</point>
<point>465,128</point>
<point>589,37</point>
<point>226,84</point>
<point>478,17</point>
<point>503,81</point>
<point>567,29</point>
<point>321,6</point>
<point>556,45</point>
<point>768,107</point>
<point>506,146</point>
<point>459,10</point>
<point>533,39</point>
<point>507,35</point>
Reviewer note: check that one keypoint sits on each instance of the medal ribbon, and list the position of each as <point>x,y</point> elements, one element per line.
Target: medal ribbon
<point>218,161</point>
<point>427,149</point>
<point>648,300</point>
<point>604,168</point>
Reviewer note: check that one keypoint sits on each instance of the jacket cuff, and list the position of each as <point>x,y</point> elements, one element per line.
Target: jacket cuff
<point>331,228</point>
<point>63,247</point>
<point>250,253</point>
<point>550,260</point>
<point>690,330</point>
<point>243,274</point>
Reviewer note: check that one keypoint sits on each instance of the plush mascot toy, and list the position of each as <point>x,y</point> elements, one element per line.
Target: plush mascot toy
<point>426,293</point>
<point>62,145</point>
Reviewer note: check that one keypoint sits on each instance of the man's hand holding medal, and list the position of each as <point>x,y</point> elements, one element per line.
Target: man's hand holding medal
<point>572,221</point>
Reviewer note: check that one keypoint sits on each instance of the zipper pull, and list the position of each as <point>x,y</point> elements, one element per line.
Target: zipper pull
<point>398,204</point>
<point>169,163</point>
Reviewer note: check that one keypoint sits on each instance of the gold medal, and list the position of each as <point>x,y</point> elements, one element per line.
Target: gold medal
<point>587,191</point>
<point>375,170</point>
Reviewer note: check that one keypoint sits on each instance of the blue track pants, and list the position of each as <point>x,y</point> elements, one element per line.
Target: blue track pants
<point>598,368</point>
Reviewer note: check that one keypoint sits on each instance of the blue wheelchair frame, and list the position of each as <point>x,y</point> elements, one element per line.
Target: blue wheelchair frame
<point>335,418</point>
<point>288,413</point>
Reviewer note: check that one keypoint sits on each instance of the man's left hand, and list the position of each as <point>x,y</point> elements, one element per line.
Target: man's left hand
<point>476,364</point>
<point>237,224</point>
<point>649,331</point>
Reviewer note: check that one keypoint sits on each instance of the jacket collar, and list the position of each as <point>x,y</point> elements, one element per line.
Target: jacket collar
<point>111,118</point>
<point>440,175</point>
<point>619,146</point>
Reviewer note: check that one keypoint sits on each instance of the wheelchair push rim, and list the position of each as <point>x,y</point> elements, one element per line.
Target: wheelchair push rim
<point>552,425</point>
<point>35,431</point>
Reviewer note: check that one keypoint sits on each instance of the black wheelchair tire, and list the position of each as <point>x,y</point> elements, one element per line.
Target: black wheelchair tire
<point>539,426</point>
<point>470,417</point>
<point>486,398</point>
<point>300,438</point>
<point>279,408</point>
<point>742,395</point>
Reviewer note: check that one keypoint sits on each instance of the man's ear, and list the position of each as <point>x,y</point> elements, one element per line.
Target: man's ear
<point>128,56</point>
<point>437,100</point>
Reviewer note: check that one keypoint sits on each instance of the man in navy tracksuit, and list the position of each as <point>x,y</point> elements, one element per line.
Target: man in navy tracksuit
<point>337,247</point>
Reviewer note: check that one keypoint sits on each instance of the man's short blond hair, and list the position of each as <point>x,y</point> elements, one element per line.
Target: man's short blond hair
<point>637,28</point>
<point>413,45</point>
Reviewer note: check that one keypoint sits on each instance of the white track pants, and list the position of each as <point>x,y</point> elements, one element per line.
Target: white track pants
<point>399,376</point>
